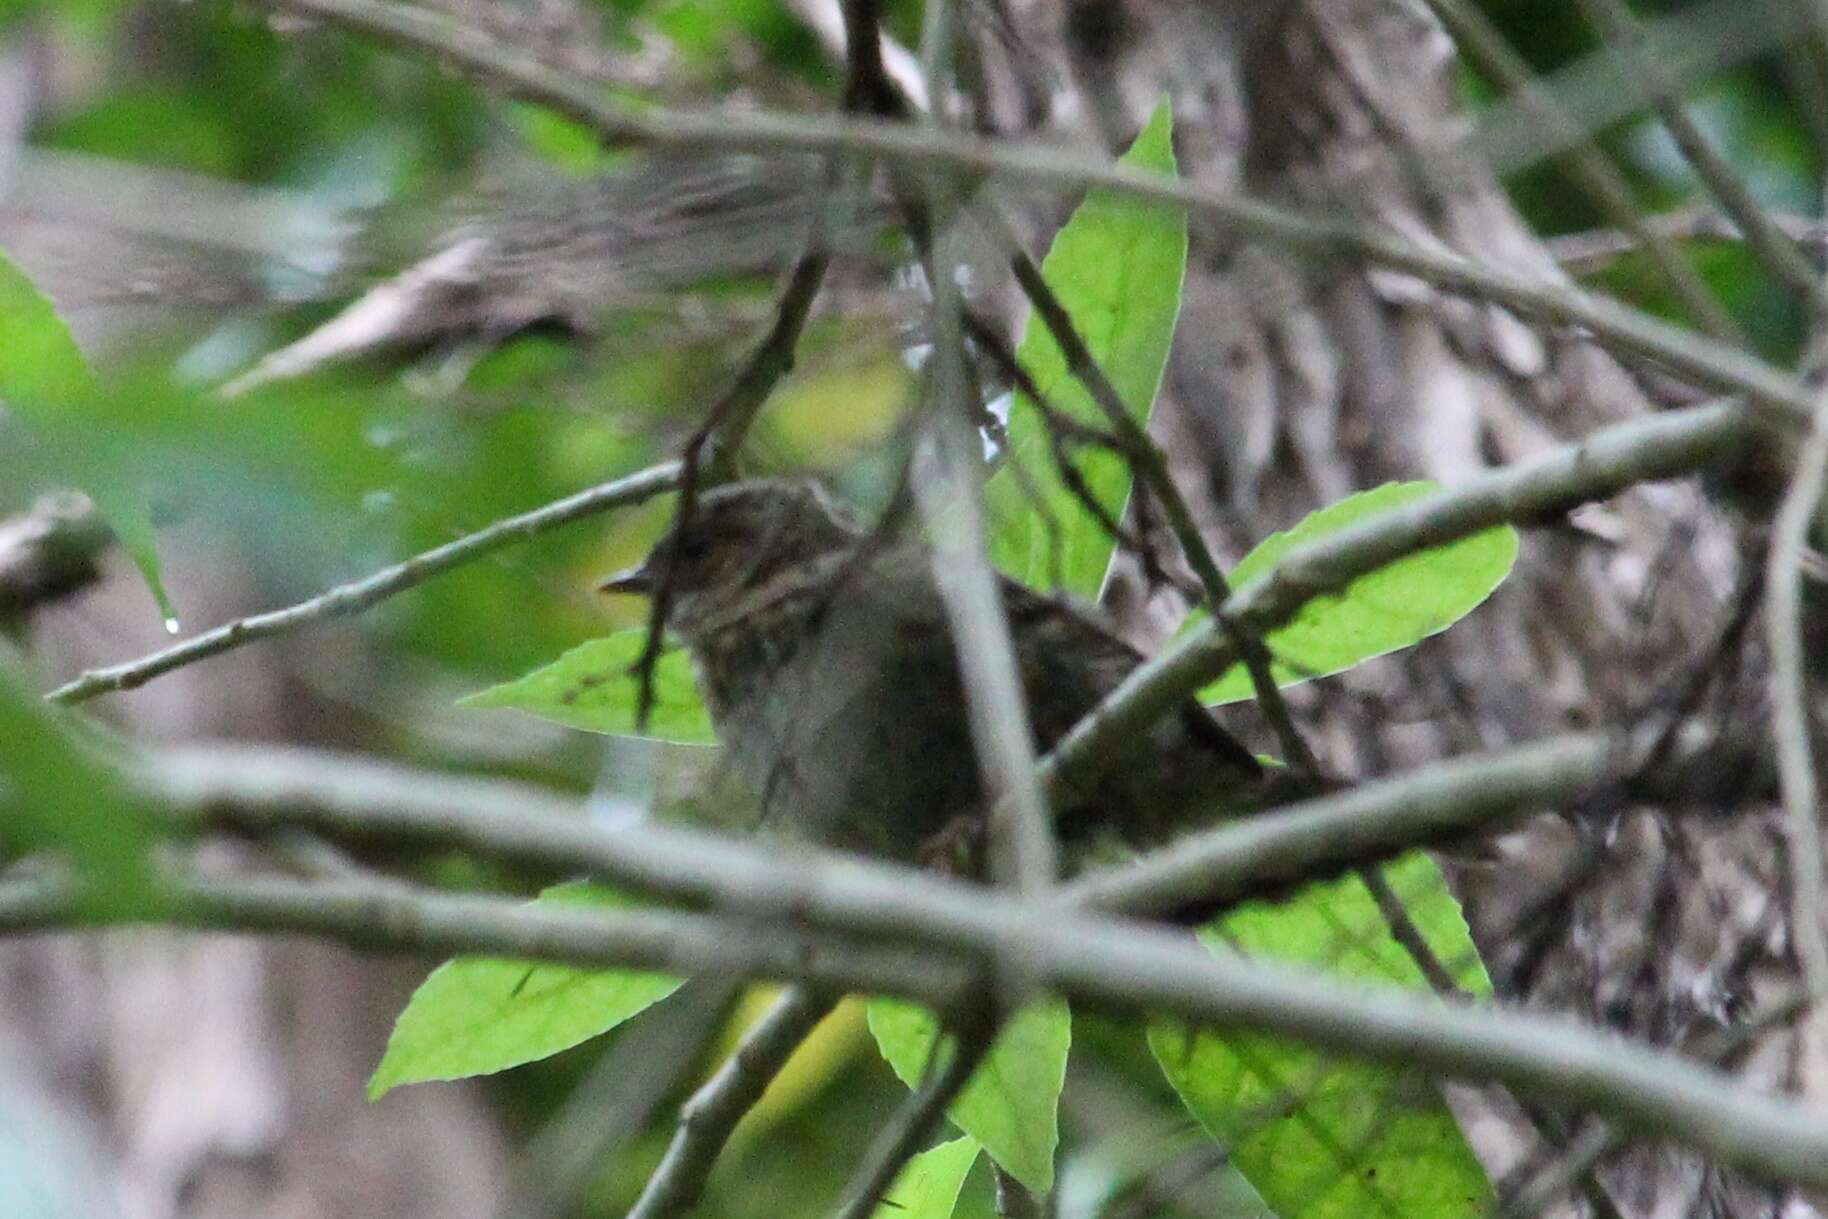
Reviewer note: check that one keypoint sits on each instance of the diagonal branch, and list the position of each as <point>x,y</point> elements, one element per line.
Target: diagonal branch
<point>1662,446</point>
<point>708,1118</point>
<point>914,1121</point>
<point>371,590</point>
<point>1582,159</point>
<point>1769,243</point>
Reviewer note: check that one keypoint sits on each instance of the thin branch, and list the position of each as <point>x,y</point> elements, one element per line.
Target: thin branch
<point>1582,159</point>
<point>914,1121</point>
<point>1152,470</point>
<point>1595,249</point>
<point>831,900</point>
<point>371,590</point>
<point>382,916</point>
<point>1791,729</point>
<point>1431,806</point>
<point>1662,446</point>
<point>615,1101</point>
<point>707,1120</point>
<point>1709,363</point>
<point>715,444</point>
<point>1773,247</point>
<point>1533,1197</point>
<point>1404,931</point>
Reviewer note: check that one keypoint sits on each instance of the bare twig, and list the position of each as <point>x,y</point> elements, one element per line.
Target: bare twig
<point>1791,729</point>
<point>1152,471</point>
<point>1662,446</point>
<point>1582,159</point>
<point>615,1101</point>
<point>1764,237</point>
<point>1593,250</point>
<point>715,443</point>
<point>371,590</point>
<point>706,1121</point>
<point>915,1120</point>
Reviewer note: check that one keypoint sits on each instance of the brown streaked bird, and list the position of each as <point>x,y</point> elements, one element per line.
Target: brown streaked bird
<point>827,663</point>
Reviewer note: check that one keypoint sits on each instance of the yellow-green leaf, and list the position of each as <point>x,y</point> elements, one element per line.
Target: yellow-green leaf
<point>477,1015</point>
<point>1012,1103</point>
<point>1384,611</point>
<point>593,687</point>
<point>1117,268</point>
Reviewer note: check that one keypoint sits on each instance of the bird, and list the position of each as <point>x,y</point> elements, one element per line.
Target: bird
<point>824,656</point>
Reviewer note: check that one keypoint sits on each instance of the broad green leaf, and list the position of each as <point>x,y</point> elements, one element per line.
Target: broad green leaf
<point>1385,611</point>
<point>928,1187</point>
<point>45,381</point>
<point>476,1015</point>
<point>593,687</point>
<point>1117,268</point>
<point>56,794</point>
<point>1012,1103</point>
<point>1321,1137</point>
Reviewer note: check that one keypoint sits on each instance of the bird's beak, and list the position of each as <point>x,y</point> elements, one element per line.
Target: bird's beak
<point>634,580</point>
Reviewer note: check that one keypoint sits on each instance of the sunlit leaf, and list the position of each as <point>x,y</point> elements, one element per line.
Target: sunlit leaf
<point>1117,268</point>
<point>1012,1103</point>
<point>1318,1136</point>
<point>477,1015</point>
<point>1385,611</point>
<point>593,687</point>
<point>928,1187</point>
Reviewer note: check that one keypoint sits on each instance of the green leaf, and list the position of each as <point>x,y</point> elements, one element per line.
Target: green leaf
<point>1383,611</point>
<point>57,794</point>
<point>46,383</point>
<point>1012,1103</point>
<point>593,687</point>
<point>476,1015</point>
<point>1117,268</point>
<point>1321,1137</point>
<point>928,1187</point>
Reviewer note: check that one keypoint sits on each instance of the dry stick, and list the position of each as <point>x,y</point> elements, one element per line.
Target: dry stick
<point>371,590</point>
<point>1109,962</point>
<point>911,1124</point>
<point>1582,159</point>
<point>709,1117</point>
<point>1060,428</point>
<point>1790,715</point>
<point>1594,249</point>
<point>721,435</point>
<point>1709,363</point>
<point>1152,469</point>
<point>615,1100</point>
<point>1608,461</point>
<point>1773,247</point>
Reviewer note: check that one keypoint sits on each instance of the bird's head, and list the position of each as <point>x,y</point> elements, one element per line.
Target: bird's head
<point>735,538</point>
